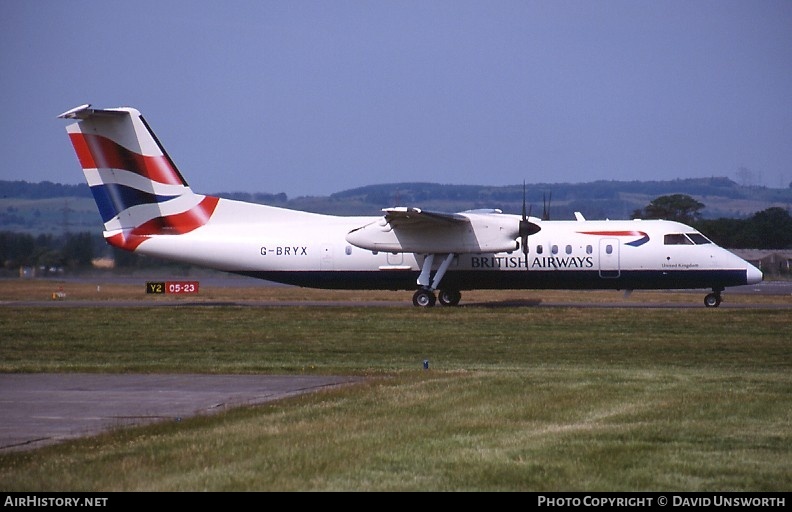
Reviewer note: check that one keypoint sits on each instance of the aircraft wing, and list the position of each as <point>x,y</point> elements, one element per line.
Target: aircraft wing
<point>405,216</point>
<point>406,229</point>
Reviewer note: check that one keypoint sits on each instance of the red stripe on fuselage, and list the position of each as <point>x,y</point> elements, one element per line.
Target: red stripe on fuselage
<point>613,233</point>
<point>97,152</point>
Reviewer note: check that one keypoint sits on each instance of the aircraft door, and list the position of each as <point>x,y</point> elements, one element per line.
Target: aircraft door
<point>609,258</point>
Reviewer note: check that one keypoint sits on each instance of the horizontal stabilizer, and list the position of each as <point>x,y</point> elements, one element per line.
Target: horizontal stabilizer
<point>85,112</point>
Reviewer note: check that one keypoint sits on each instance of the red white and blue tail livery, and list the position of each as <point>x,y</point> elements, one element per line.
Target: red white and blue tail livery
<point>137,188</point>
<point>147,207</point>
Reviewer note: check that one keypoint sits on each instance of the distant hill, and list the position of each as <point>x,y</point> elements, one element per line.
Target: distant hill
<point>41,190</point>
<point>51,208</point>
<point>722,197</point>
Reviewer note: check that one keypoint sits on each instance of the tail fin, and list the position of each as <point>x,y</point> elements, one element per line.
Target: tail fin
<point>137,187</point>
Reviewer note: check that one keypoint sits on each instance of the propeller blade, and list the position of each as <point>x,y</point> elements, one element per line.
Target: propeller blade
<point>526,228</point>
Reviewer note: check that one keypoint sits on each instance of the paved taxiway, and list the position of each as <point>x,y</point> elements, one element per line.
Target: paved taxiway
<point>41,409</point>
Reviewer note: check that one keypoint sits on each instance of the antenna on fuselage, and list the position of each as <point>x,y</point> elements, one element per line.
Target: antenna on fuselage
<point>546,206</point>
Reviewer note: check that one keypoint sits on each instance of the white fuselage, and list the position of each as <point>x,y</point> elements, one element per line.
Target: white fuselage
<point>304,248</point>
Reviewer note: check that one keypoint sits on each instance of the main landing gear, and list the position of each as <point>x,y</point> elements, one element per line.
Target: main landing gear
<point>424,296</point>
<point>713,300</point>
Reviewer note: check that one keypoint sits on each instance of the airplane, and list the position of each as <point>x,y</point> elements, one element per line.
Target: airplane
<point>147,207</point>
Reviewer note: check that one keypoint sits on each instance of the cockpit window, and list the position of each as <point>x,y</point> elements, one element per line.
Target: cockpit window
<point>699,239</point>
<point>686,239</point>
<point>677,239</point>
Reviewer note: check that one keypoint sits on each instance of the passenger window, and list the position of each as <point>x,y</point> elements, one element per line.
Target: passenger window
<point>554,249</point>
<point>538,249</point>
<point>348,250</point>
<point>589,249</point>
<point>568,249</point>
<point>609,249</point>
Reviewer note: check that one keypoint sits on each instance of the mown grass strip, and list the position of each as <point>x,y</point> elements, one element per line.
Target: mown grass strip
<point>534,399</point>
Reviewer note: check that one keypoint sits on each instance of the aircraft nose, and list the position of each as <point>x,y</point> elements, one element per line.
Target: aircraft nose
<point>753,275</point>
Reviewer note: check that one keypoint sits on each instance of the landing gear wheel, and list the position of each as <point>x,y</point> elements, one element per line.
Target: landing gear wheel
<point>712,300</point>
<point>424,298</point>
<point>449,297</point>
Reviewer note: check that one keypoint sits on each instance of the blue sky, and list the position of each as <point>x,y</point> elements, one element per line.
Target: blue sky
<point>315,97</point>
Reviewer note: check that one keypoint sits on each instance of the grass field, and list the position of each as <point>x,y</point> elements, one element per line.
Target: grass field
<point>517,398</point>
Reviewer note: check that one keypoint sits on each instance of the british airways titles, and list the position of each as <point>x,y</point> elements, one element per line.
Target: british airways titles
<point>537,262</point>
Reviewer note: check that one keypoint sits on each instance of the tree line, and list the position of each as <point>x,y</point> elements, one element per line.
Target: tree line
<point>68,253</point>
<point>72,250</point>
<point>769,229</point>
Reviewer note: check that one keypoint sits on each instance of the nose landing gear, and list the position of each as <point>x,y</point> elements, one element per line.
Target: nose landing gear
<point>713,300</point>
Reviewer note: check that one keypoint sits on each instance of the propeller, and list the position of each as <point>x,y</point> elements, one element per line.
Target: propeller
<point>527,228</point>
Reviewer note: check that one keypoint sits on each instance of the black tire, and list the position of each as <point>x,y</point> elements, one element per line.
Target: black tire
<point>449,297</point>
<point>712,300</point>
<point>424,299</point>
